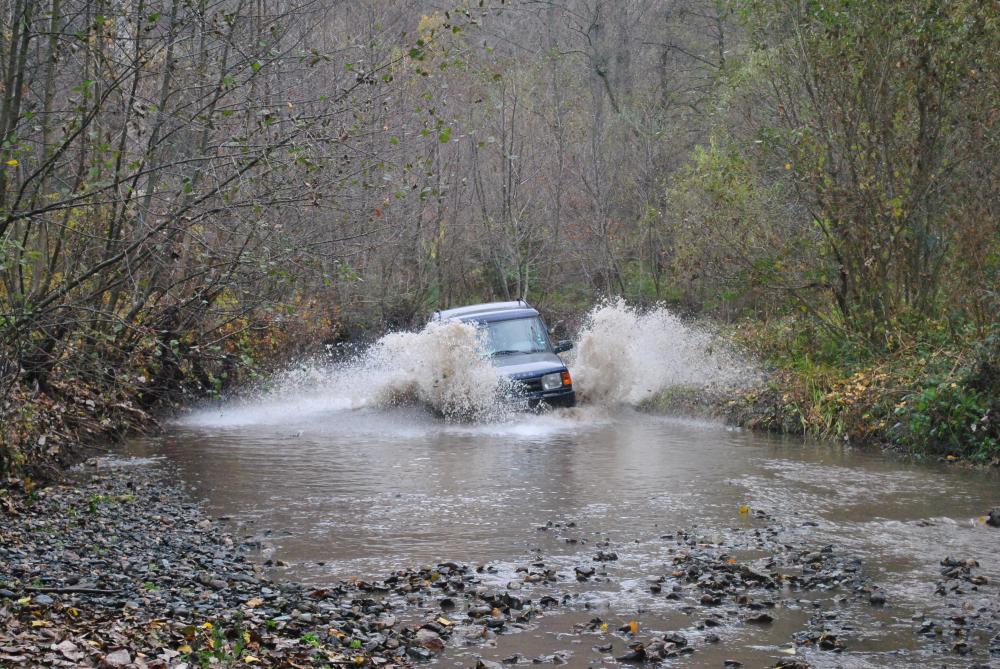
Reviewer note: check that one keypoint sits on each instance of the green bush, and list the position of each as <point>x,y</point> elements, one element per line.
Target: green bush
<point>949,418</point>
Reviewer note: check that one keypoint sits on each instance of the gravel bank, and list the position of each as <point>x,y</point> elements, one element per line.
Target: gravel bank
<point>118,568</point>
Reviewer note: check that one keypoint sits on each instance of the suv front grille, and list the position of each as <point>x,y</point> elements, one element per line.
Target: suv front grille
<point>531,385</point>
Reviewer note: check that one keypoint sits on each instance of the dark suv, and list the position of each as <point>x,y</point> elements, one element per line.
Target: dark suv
<point>518,343</point>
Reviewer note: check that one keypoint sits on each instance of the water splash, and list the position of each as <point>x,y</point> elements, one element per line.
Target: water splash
<point>441,367</point>
<point>626,355</point>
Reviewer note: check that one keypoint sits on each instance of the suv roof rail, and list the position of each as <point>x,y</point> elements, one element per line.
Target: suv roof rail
<point>484,308</point>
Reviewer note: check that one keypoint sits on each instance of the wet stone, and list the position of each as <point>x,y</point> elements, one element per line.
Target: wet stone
<point>761,619</point>
<point>488,664</point>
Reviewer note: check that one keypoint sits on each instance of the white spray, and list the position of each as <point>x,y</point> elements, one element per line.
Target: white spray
<point>623,356</point>
<point>441,367</point>
<point>626,355</point>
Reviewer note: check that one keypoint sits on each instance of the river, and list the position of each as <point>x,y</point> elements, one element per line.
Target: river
<point>339,492</point>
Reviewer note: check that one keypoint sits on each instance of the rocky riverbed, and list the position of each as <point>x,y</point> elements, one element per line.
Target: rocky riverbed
<point>118,567</point>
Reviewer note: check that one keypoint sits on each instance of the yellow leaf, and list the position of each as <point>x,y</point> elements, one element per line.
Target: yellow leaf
<point>185,649</point>
<point>206,626</point>
<point>41,623</point>
<point>256,601</point>
<point>788,166</point>
<point>358,660</point>
<point>75,613</point>
<point>744,509</point>
<point>604,627</point>
<point>12,162</point>
<point>633,627</point>
<point>250,659</point>
<point>495,612</point>
<point>210,643</point>
<point>444,621</point>
<point>246,636</point>
<point>24,600</point>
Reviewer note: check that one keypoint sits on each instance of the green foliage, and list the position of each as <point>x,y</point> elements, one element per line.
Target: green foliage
<point>948,418</point>
<point>851,115</point>
<point>732,239</point>
<point>935,392</point>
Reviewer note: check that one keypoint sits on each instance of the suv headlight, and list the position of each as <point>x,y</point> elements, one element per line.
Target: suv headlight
<point>552,381</point>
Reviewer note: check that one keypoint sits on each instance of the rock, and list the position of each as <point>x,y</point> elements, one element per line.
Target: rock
<point>679,640</point>
<point>43,600</point>
<point>761,619</point>
<point>635,656</point>
<point>488,664</point>
<point>480,611</point>
<point>430,640</point>
<point>877,598</point>
<point>993,519</point>
<point>732,664</point>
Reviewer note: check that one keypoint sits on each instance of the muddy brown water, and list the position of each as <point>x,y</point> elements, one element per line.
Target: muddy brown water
<point>360,493</point>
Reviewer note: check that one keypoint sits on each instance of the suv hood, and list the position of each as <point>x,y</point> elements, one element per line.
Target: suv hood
<point>527,365</point>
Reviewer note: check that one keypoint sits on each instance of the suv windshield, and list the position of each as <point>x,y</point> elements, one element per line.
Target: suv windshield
<point>517,335</point>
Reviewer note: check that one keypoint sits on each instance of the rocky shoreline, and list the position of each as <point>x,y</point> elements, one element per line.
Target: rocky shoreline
<point>117,567</point>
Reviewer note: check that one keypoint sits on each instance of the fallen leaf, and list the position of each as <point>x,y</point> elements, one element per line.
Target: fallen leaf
<point>119,658</point>
<point>70,650</point>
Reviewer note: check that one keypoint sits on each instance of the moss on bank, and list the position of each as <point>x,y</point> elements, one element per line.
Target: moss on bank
<point>90,401</point>
<point>933,394</point>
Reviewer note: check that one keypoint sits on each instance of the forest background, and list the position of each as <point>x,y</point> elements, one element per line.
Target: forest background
<point>193,191</point>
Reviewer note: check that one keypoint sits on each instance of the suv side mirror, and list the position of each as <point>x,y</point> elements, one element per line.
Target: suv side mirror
<point>563,345</point>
